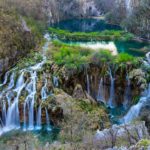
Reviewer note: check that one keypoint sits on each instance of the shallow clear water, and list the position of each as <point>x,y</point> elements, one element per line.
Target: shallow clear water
<point>134,48</point>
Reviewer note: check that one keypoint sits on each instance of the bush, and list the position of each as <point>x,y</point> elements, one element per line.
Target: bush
<point>88,36</point>
<point>124,57</point>
<point>75,57</point>
<point>102,56</point>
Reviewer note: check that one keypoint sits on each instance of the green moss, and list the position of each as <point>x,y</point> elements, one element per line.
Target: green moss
<point>87,36</point>
<point>144,143</point>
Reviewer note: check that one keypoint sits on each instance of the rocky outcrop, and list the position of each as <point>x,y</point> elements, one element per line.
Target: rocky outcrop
<point>16,40</point>
<point>144,114</point>
<point>125,135</point>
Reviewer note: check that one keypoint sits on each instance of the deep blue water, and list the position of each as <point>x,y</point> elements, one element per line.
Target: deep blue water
<point>85,25</point>
<point>134,48</point>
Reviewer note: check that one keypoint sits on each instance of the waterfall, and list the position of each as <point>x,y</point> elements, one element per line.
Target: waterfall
<point>38,122</point>
<point>47,120</point>
<point>44,91</point>
<point>134,111</point>
<point>147,59</point>
<point>55,81</point>
<point>31,99</point>
<point>127,95</point>
<point>111,102</point>
<point>10,96</point>
<point>128,6</point>
<point>100,96</point>
<point>12,118</point>
<point>88,84</point>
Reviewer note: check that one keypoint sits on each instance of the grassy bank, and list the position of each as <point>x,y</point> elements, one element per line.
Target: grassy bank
<point>75,57</point>
<point>88,36</point>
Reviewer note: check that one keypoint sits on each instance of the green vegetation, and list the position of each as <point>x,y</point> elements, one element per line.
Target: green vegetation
<point>75,57</point>
<point>31,59</point>
<point>88,36</point>
<point>37,28</point>
<point>72,57</point>
<point>144,143</point>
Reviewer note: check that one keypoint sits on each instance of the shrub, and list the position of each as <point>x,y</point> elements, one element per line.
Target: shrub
<point>88,36</point>
<point>124,57</point>
<point>102,56</point>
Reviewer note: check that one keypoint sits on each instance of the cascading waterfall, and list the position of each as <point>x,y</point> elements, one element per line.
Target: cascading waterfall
<point>12,118</point>
<point>31,99</point>
<point>47,120</point>
<point>127,95</point>
<point>10,96</point>
<point>100,96</point>
<point>111,102</point>
<point>128,6</point>
<point>44,91</point>
<point>38,122</point>
<point>134,111</point>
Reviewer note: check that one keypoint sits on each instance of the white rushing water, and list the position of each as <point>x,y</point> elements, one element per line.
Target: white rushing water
<point>100,95</point>
<point>38,121</point>
<point>128,4</point>
<point>12,118</point>
<point>134,111</point>
<point>111,100</point>
<point>47,120</point>
<point>44,91</point>
<point>11,94</point>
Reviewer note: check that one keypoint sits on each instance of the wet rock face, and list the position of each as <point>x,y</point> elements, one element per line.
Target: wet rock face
<point>96,82</point>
